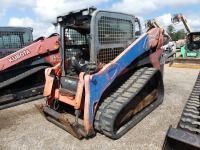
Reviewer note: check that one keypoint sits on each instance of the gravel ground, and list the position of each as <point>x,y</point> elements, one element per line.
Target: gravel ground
<point>23,128</point>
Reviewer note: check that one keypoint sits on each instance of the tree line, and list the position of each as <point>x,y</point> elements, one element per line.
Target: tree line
<point>176,35</point>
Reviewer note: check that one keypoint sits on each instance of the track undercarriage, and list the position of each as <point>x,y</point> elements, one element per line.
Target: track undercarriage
<point>130,103</point>
<point>140,94</point>
<point>24,87</point>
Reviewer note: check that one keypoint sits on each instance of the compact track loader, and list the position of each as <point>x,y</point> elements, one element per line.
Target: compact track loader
<point>22,72</point>
<point>190,52</point>
<point>108,80</point>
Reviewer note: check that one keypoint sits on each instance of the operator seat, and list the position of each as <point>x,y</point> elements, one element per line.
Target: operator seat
<point>76,65</point>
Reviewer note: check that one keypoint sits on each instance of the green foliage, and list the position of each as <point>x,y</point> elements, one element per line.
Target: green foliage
<point>170,29</point>
<point>137,33</point>
<point>175,35</point>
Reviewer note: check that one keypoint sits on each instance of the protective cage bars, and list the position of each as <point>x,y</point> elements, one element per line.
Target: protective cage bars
<point>113,32</point>
<point>74,41</point>
<point>107,35</point>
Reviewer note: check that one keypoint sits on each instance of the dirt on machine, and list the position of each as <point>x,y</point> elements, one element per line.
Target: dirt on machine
<point>22,64</point>
<point>108,79</point>
<point>190,52</point>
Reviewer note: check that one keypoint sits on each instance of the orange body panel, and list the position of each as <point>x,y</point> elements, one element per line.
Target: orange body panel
<point>54,93</point>
<point>35,49</point>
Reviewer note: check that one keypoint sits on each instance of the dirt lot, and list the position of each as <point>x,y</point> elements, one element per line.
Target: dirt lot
<point>23,128</point>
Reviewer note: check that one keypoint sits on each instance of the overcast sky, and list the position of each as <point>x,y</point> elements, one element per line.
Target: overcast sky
<point>39,14</point>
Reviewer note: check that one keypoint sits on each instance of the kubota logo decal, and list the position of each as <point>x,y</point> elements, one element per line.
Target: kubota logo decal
<point>18,56</point>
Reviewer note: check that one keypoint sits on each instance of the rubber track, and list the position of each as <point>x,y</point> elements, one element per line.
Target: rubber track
<point>21,76</point>
<point>190,118</point>
<point>111,106</point>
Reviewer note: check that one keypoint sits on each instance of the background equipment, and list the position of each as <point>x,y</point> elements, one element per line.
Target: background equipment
<point>13,39</point>
<point>190,52</point>
<point>22,65</point>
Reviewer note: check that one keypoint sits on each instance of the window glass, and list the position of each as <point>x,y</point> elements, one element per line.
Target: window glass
<point>13,40</point>
<point>196,38</point>
<point>27,39</point>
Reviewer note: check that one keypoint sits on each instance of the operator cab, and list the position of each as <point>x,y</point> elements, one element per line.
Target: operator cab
<point>76,50</point>
<point>90,39</point>
<point>193,42</point>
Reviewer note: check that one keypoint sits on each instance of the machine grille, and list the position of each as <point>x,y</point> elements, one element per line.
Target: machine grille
<point>107,55</point>
<point>114,30</point>
<point>74,42</point>
<point>5,54</point>
<point>114,36</point>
